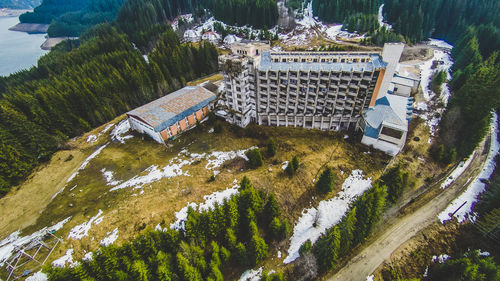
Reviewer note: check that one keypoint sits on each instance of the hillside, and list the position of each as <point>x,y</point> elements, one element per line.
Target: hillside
<point>19,4</point>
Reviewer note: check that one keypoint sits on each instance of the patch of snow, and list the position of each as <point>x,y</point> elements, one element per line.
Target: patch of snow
<point>426,71</point>
<point>108,175</point>
<point>110,238</point>
<point>66,259</point>
<point>442,258</point>
<point>251,275</point>
<point>279,254</point>
<point>120,129</point>
<point>86,161</point>
<point>57,193</point>
<point>88,256</point>
<point>92,138</point>
<point>82,230</point>
<point>217,197</point>
<point>14,240</point>
<point>439,43</point>
<point>380,18</point>
<point>217,158</point>
<point>426,273</point>
<point>370,277</point>
<point>284,165</point>
<point>188,18</point>
<point>109,126</point>
<point>469,197</point>
<point>483,254</point>
<point>328,213</point>
<point>457,172</point>
<point>153,174</point>
<point>211,130</point>
<point>38,276</point>
<point>230,39</point>
<point>346,136</point>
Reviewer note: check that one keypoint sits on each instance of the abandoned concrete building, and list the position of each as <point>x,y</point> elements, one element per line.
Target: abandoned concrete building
<point>172,114</point>
<point>316,90</point>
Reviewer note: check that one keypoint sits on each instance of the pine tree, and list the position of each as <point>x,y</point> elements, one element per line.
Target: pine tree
<point>325,182</point>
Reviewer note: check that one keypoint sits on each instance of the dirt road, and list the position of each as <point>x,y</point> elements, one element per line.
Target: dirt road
<point>404,228</point>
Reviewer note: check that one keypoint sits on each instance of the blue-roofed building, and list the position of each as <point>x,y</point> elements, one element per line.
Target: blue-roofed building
<point>385,125</point>
<point>172,114</point>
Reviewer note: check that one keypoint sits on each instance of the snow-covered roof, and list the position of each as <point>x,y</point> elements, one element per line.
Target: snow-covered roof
<point>403,81</point>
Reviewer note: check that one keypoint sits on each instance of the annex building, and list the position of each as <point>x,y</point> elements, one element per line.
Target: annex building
<point>318,90</point>
<point>172,114</point>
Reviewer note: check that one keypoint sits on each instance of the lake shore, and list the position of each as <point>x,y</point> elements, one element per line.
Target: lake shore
<point>30,27</point>
<point>6,12</point>
<point>52,41</point>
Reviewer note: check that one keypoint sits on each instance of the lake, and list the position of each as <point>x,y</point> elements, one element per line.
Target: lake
<point>18,50</point>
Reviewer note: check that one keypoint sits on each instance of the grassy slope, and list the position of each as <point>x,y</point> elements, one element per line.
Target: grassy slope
<point>163,198</point>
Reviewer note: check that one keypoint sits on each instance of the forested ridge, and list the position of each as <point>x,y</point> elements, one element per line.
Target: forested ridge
<point>227,238</point>
<point>71,18</point>
<point>357,15</point>
<point>74,89</point>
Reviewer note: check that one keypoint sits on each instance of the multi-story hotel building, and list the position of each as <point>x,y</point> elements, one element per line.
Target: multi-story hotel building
<point>317,90</point>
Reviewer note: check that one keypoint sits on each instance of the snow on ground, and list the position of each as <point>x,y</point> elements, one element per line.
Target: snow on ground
<point>370,277</point>
<point>108,175</point>
<point>120,129</point>
<point>217,158</point>
<point>57,193</point>
<point>440,43</point>
<point>92,138</point>
<point>187,18</point>
<point>217,197</point>
<point>251,275</point>
<point>483,254</point>
<point>8,244</point>
<point>38,276</point>
<point>284,165</point>
<point>82,230</point>
<point>469,197</point>
<point>88,256</point>
<point>66,259</point>
<point>279,254</point>
<point>442,56</point>
<point>110,238</point>
<point>442,258</point>
<point>86,161</point>
<point>457,172</point>
<point>174,168</point>
<point>380,18</point>
<point>328,213</point>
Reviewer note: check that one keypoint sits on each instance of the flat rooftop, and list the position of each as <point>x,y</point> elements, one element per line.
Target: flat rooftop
<point>168,110</point>
<point>375,62</point>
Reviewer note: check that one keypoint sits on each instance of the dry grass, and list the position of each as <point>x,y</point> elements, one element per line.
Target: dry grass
<point>212,78</point>
<point>161,199</point>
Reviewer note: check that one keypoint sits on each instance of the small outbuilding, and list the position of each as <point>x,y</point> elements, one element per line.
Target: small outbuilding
<point>172,114</point>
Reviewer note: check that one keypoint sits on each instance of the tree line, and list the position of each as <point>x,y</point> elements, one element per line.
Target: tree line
<point>235,234</point>
<point>359,15</point>
<point>358,223</point>
<point>76,88</point>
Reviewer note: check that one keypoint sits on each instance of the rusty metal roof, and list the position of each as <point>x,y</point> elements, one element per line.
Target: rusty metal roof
<point>168,110</point>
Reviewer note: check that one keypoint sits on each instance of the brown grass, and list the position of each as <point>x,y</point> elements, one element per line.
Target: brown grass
<point>161,199</point>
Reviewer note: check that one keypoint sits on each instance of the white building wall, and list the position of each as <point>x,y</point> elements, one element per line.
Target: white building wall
<point>144,128</point>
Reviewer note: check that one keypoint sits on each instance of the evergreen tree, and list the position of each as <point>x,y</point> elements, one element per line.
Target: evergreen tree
<point>271,147</point>
<point>325,182</point>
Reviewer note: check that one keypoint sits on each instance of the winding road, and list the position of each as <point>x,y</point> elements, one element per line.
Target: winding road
<point>404,228</point>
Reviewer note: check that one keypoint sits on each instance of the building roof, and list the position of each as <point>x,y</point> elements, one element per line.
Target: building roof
<point>267,64</point>
<point>170,109</point>
<point>384,113</point>
<point>403,81</point>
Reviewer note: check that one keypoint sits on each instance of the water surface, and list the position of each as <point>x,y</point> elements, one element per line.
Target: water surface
<point>18,50</point>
